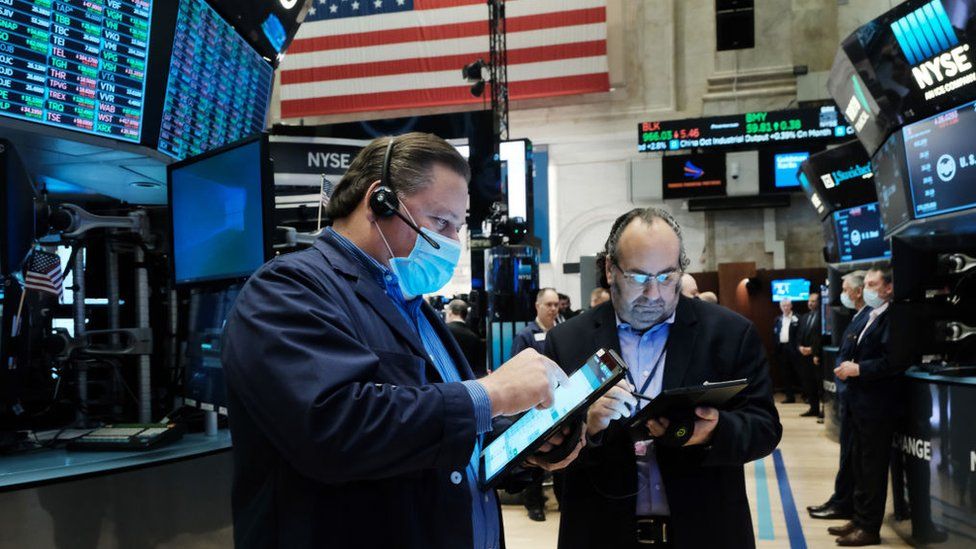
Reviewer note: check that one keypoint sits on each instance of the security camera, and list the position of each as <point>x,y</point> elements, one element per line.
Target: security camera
<point>734,170</point>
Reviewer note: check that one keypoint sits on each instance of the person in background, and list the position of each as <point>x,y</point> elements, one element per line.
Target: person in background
<point>473,347</point>
<point>877,401</point>
<point>566,311</point>
<point>689,286</point>
<point>784,333</point>
<point>808,341</point>
<point>840,505</point>
<point>708,297</point>
<point>599,296</point>
<point>623,493</point>
<point>533,336</point>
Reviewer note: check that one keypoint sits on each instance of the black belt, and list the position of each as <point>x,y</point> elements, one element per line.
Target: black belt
<point>654,530</point>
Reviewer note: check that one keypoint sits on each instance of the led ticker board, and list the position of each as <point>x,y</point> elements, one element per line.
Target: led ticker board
<point>219,87</point>
<point>75,64</point>
<point>743,130</point>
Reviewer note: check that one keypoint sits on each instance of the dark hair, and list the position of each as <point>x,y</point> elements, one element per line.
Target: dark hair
<point>885,272</point>
<point>458,307</point>
<point>411,160</point>
<point>648,215</point>
<point>563,296</point>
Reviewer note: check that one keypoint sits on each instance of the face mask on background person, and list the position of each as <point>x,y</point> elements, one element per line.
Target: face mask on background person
<point>872,298</point>
<point>846,301</point>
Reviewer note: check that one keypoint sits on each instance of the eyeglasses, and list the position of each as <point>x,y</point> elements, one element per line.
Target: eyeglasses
<point>665,280</point>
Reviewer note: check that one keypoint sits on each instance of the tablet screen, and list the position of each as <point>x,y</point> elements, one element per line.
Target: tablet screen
<point>535,423</point>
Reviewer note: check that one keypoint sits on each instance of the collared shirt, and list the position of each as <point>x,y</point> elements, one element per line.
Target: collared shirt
<point>645,354</point>
<point>875,313</point>
<point>484,509</point>
<point>784,328</point>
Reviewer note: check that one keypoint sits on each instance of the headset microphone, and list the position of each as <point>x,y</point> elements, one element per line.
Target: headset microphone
<point>384,201</point>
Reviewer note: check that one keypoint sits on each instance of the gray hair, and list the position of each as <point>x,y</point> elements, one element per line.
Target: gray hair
<point>459,308</point>
<point>542,292</point>
<point>855,279</point>
<point>647,215</point>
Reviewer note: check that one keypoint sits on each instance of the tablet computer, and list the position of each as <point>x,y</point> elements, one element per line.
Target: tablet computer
<point>601,372</point>
<point>687,398</point>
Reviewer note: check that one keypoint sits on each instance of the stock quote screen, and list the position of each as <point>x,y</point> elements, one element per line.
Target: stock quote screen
<point>743,130</point>
<point>75,64</point>
<point>941,160</point>
<point>219,87</point>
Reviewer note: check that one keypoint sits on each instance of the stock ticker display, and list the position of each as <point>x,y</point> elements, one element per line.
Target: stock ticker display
<point>219,87</point>
<point>941,158</point>
<point>860,233</point>
<point>75,64</point>
<point>743,130</point>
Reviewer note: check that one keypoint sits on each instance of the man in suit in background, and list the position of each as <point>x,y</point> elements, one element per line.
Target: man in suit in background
<point>841,502</point>
<point>808,340</point>
<point>876,399</point>
<point>624,494</point>
<point>784,333</point>
<point>566,311</point>
<point>473,347</point>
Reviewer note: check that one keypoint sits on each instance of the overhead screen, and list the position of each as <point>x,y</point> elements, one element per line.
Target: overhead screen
<point>693,175</point>
<point>219,88</point>
<point>793,289</point>
<point>76,65</point>
<point>860,234</point>
<point>912,62</point>
<point>838,178</point>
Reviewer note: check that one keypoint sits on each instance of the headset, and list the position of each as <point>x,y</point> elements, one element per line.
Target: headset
<point>384,202</point>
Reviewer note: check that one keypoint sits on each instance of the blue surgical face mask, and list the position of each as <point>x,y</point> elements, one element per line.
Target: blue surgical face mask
<point>846,301</point>
<point>427,269</point>
<point>872,298</point>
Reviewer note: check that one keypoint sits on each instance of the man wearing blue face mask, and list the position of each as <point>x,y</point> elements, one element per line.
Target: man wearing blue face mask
<point>357,421</point>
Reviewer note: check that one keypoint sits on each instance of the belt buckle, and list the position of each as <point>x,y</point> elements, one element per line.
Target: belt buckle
<point>654,539</point>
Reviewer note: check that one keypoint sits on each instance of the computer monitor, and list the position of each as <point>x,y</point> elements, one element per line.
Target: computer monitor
<point>18,211</point>
<point>838,178</point>
<point>221,207</point>
<point>860,234</point>
<point>793,289</point>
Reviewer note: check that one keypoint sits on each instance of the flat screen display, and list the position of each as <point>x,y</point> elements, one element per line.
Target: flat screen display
<point>860,234</point>
<point>535,423</point>
<point>891,182</point>
<point>77,65</point>
<point>941,156</point>
<point>693,175</point>
<point>785,168</point>
<point>217,204</point>
<point>219,88</point>
<point>839,178</point>
<point>793,289</point>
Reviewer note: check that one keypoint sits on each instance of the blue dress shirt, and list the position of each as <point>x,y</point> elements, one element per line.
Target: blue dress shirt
<point>484,508</point>
<point>645,354</point>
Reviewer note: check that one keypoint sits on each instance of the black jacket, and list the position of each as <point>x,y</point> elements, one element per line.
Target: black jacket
<point>794,326</point>
<point>471,345</point>
<point>705,486</point>
<point>808,334</point>
<point>878,392</point>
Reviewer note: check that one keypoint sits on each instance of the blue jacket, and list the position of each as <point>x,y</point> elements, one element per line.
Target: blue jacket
<point>344,434</point>
<point>879,391</point>
<point>525,339</point>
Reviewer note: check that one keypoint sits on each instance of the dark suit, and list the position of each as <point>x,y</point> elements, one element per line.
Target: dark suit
<point>786,356</point>
<point>876,399</point>
<point>843,497</point>
<point>471,345</point>
<point>808,335</point>
<point>705,485</point>
<point>344,434</point>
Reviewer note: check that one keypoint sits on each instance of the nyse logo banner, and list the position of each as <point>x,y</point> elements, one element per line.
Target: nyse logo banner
<point>929,42</point>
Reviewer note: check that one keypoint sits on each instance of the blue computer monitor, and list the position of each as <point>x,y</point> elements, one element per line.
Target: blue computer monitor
<point>221,206</point>
<point>786,166</point>
<point>793,289</point>
<point>860,234</point>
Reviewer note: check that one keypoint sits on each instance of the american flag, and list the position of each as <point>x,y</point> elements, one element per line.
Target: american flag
<point>327,188</point>
<point>370,55</point>
<point>44,273</point>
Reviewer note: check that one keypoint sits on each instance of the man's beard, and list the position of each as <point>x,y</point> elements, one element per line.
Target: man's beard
<point>643,313</point>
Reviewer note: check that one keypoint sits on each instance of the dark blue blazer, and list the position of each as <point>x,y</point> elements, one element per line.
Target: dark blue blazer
<point>878,392</point>
<point>705,485</point>
<point>847,345</point>
<point>344,434</point>
<point>525,339</point>
<point>794,326</point>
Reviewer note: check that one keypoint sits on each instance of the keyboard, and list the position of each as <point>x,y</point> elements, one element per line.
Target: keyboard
<point>126,437</point>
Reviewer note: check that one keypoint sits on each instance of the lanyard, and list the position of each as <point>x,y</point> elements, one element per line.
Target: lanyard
<point>657,364</point>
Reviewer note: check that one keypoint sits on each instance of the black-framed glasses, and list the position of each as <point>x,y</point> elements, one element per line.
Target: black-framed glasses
<point>665,280</point>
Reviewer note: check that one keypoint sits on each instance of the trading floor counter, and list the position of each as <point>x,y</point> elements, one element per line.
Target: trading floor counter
<point>177,495</point>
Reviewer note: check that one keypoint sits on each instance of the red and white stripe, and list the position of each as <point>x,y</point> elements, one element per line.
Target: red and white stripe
<point>414,59</point>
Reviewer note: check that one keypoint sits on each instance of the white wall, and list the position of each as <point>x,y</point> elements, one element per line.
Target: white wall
<point>663,65</point>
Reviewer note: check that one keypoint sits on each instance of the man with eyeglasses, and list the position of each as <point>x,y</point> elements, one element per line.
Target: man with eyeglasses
<point>623,492</point>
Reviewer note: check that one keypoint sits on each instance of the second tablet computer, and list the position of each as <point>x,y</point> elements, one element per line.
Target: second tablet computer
<point>601,372</point>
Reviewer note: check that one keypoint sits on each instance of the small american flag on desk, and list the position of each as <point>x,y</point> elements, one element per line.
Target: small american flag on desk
<point>371,55</point>
<point>44,273</point>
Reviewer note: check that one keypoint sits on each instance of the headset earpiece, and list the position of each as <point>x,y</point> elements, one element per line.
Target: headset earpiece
<point>383,201</point>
